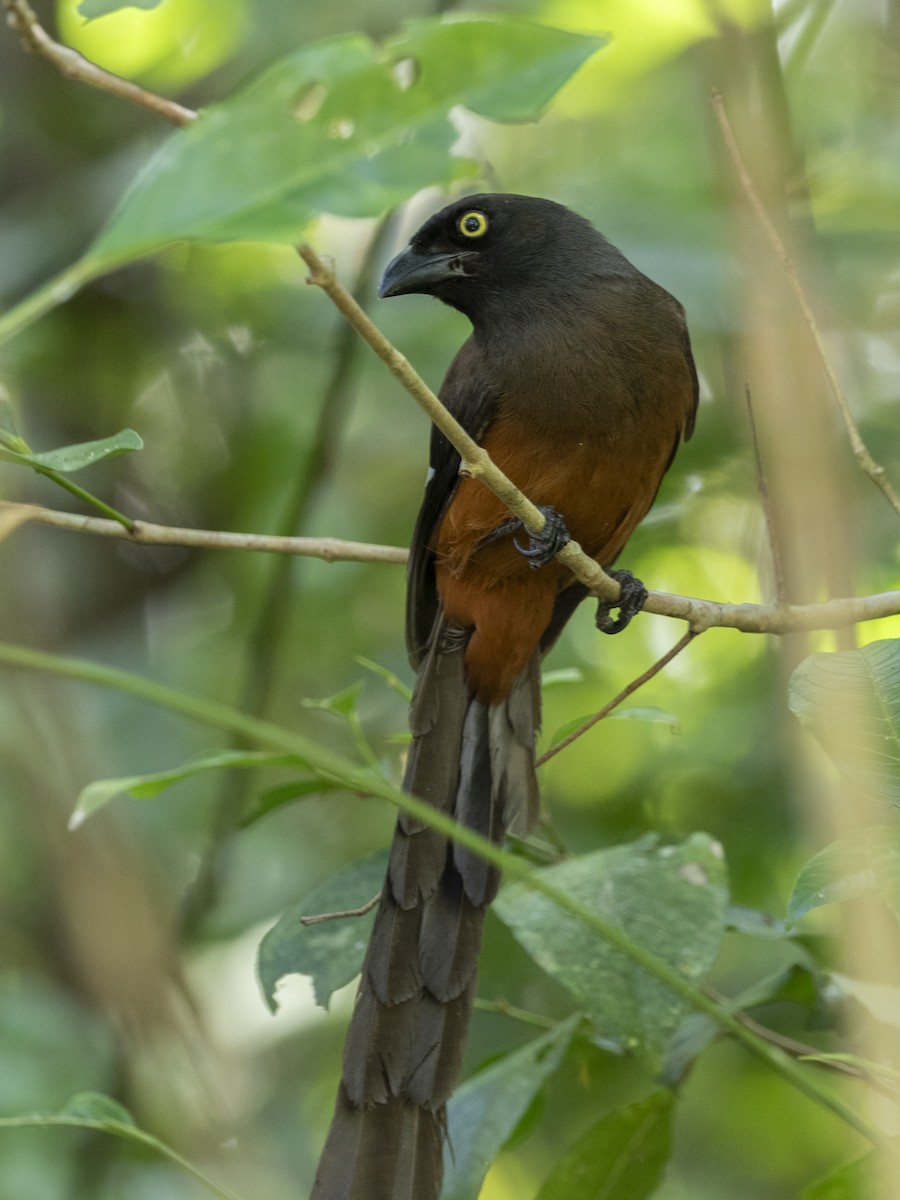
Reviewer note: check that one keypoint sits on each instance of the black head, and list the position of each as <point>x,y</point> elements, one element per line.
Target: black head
<point>486,249</point>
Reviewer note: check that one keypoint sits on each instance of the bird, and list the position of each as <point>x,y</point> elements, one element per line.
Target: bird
<point>579,381</point>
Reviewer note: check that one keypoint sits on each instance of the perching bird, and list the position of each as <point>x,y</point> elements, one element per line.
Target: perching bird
<point>579,382</point>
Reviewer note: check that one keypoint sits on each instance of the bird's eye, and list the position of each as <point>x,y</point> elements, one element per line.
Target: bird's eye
<point>472,224</point>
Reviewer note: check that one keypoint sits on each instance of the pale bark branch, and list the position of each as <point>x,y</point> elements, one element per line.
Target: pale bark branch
<point>148,534</point>
<point>21,17</point>
<point>699,614</point>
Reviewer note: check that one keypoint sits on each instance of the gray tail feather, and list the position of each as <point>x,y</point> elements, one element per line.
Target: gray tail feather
<point>408,1030</point>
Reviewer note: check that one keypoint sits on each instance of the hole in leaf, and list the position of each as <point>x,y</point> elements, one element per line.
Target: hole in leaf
<point>342,128</point>
<point>309,101</point>
<point>405,72</point>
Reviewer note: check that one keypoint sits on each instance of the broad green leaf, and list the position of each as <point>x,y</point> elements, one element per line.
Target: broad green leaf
<point>91,9</point>
<point>851,703</point>
<point>669,899</point>
<point>341,126</point>
<point>754,923</point>
<point>621,1157</point>
<point>330,952</point>
<point>145,787</point>
<point>864,862</point>
<point>72,458</point>
<point>485,1111</point>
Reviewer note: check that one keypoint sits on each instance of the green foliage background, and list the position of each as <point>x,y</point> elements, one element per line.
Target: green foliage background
<point>120,972</point>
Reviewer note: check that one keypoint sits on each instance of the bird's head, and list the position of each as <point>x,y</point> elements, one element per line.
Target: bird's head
<point>488,248</point>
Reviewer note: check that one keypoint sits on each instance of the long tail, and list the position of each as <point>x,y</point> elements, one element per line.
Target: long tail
<point>408,1030</point>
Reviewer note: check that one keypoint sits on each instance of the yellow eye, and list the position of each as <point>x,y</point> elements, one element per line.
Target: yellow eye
<point>472,224</point>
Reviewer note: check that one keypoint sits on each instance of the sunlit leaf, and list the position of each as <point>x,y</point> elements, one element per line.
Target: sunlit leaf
<point>485,1111</point>
<point>669,899</point>
<point>852,1181</point>
<point>145,787</point>
<point>864,862</point>
<point>338,126</point>
<point>331,952</point>
<point>621,1157</point>
<point>73,458</point>
<point>851,703</point>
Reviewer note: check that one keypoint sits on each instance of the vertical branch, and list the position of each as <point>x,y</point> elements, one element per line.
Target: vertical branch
<point>765,499</point>
<point>274,610</point>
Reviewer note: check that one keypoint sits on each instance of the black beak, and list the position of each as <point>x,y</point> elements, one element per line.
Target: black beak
<point>411,271</point>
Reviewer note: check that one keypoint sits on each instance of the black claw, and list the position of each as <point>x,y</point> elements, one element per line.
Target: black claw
<point>543,545</point>
<point>632,599</point>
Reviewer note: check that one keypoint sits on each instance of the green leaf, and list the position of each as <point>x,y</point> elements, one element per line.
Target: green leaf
<point>754,923</point>
<point>852,1181</point>
<point>560,676</point>
<point>330,952</point>
<point>94,1106</point>
<point>91,9</point>
<point>646,712</point>
<point>71,458</point>
<point>145,787</point>
<point>485,1111</point>
<point>393,680</point>
<point>92,1110</point>
<point>342,703</point>
<point>286,793</point>
<point>851,703</point>
<point>622,1157</point>
<point>669,899</point>
<point>340,126</point>
<point>864,862</point>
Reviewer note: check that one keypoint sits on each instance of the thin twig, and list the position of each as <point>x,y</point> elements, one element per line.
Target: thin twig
<point>505,1009</point>
<point>617,700</point>
<point>320,918</point>
<point>73,65</point>
<point>762,484</point>
<point>146,533</point>
<point>875,472</point>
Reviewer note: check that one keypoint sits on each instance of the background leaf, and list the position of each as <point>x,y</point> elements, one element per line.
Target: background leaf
<point>331,953</point>
<point>861,863</point>
<point>621,1157</point>
<point>330,128</point>
<point>670,899</point>
<point>74,458</point>
<point>486,1109</point>
<point>145,787</point>
<point>851,703</point>
<point>91,9</point>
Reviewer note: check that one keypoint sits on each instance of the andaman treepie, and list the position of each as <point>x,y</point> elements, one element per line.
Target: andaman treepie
<point>578,380</point>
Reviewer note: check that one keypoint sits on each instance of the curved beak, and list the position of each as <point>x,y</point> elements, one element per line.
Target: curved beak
<point>412,271</point>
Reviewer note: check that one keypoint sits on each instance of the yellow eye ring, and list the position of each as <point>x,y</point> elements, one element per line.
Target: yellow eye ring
<point>472,224</point>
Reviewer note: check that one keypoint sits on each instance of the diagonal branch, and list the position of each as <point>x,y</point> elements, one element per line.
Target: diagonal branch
<point>21,17</point>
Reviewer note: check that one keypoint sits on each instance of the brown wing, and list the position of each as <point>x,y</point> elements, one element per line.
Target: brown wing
<point>468,394</point>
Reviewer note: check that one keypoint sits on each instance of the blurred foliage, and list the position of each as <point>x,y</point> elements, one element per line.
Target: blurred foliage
<point>127,946</point>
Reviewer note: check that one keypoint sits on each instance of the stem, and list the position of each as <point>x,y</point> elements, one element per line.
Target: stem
<point>87,497</point>
<point>367,782</point>
<point>56,291</point>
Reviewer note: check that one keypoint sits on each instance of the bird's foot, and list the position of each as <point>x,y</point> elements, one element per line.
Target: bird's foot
<point>632,597</point>
<point>543,545</point>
